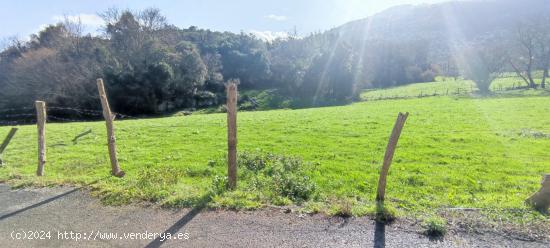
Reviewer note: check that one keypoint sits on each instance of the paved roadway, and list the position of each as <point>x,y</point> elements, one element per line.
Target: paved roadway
<point>60,210</point>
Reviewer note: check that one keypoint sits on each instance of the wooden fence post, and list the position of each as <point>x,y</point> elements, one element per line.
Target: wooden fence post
<point>6,142</point>
<point>231,87</point>
<point>41,125</point>
<point>541,200</point>
<point>109,119</point>
<point>388,157</point>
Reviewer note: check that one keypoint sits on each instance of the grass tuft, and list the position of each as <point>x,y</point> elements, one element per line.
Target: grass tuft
<point>268,179</point>
<point>342,208</point>
<point>384,213</point>
<point>435,226</point>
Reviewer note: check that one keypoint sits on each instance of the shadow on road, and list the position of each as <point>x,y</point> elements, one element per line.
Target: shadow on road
<point>380,235</point>
<point>182,222</point>
<point>38,204</point>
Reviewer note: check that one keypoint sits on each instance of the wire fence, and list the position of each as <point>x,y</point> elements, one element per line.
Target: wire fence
<point>18,116</point>
<point>459,91</point>
<point>22,116</point>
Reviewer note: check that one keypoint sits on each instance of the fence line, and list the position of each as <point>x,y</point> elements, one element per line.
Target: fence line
<point>231,105</point>
<point>444,92</point>
<point>388,157</point>
<point>41,124</point>
<point>109,116</point>
<point>109,123</point>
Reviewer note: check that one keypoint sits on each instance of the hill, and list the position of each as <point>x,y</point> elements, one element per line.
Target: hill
<point>445,22</point>
<point>155,68</point>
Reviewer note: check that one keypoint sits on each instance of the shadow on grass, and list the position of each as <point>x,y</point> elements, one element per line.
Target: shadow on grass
<point>202,204</point>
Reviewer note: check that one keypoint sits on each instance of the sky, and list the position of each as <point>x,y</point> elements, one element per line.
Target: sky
<point>265,18</point>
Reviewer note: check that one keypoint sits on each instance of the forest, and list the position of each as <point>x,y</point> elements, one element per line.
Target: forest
<point>151,67</point>
<point>154,68</point>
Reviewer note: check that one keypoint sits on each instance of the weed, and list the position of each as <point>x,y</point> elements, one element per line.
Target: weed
<point>342,208</point>
<point>282,175</point>
<point>435,226</point>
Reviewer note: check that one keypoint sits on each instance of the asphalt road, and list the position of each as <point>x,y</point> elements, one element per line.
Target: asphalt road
<point>49,215</point>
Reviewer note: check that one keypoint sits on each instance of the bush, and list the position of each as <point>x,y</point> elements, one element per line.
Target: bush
<point>281,175</point>
<point>435,226</point>
<point>342,208</point>
<point>264,100</point>
<point>219,184</point>
<point>274,179</point>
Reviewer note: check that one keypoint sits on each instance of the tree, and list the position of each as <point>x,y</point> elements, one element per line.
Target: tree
<point>523,62</point>
<point>330,78</point>
<point>542,40</point>
<point>483,63</point>
<point>190,74</point>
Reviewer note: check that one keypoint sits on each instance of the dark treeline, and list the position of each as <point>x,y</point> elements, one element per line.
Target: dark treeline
<point>151,67</point>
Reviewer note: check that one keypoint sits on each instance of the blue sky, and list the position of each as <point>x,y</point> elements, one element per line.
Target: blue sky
<point>23,17</point>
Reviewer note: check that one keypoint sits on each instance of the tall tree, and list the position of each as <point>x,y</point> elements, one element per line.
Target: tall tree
<point>483,63</point>
<point>523,60</point>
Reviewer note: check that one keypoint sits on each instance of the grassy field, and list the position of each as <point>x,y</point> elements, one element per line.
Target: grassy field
<point>454,87</point>
<point>486,153</point>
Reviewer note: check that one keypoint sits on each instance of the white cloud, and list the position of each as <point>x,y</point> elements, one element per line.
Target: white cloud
<point>91,23</point>
<point>279,18</point>
<point>90,20</point>
<point>268,35</point>
<point>40,28</point>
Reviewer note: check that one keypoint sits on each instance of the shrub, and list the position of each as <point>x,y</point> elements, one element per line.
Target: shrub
<point>435,226</point>
<point>158,176</point>
<point>279,179</point>
<point>219,184</point>
<point>263,100</point>
<point>284,176</point>
<point>342,208</point>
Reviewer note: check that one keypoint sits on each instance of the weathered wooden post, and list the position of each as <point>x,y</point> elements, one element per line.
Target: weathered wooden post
<point>6,142</point>
<point>388,157</point>
<point>109,119</point>
<point>541,200</point>
<point>231,87</point>
<point>41,125</point>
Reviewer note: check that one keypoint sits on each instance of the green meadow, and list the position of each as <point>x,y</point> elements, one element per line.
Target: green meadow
<point>454,152</point>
